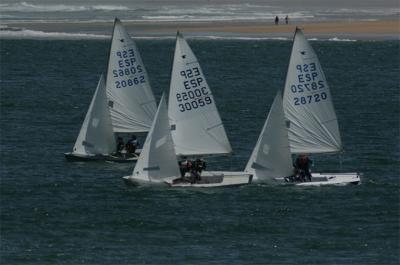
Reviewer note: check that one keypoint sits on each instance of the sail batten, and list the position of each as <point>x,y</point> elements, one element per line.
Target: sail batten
<point>128,87</point>
<point>313,126</point>
<point>197,125</point>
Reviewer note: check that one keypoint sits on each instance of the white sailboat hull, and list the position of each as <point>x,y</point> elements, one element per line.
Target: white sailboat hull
<point>71,156</point>
<point>121,159</point>
<point>140,181</point>
<point>321,179</point>
<point>76,157</point>
<point>211,179</point>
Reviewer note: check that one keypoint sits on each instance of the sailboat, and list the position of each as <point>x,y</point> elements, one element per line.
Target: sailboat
<point>311,124</point>
<point>196,126</point>
<point>131,100</point>
<point>310,115</point>
<point>158,164</point>
<point>96,137</point>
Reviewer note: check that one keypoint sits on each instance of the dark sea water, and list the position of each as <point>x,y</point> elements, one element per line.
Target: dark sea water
<point>58,212</point>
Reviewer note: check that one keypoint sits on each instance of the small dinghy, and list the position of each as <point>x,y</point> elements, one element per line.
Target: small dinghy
<point>127,104</point>
<point>158,163</point>
<point>303,122</point>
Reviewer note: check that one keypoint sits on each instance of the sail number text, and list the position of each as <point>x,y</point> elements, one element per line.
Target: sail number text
<point>308,80</point>
<point>127,66</point>
<point>196,94</point>
<point>310,99</point>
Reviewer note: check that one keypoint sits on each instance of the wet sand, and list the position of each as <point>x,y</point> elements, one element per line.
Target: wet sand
<point>357,29</point>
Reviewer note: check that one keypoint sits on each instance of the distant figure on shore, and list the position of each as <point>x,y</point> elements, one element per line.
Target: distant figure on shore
<point>276,20</point>
<point>287,19</point>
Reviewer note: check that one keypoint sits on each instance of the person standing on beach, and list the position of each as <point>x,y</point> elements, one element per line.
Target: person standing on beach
<point>276,20</point>
<point>287,19</point>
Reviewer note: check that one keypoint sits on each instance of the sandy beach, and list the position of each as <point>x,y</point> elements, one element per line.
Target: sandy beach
<point>383,29</point>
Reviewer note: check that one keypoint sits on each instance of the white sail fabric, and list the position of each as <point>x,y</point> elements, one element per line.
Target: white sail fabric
<point>271,156</point>
<point>157,159</point>
<point>196,126</point>
<point>307,101</point>
<point>131,100</point>
<point>96,135</point>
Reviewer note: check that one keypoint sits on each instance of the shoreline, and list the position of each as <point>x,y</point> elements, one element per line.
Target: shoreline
<point>363,30</point>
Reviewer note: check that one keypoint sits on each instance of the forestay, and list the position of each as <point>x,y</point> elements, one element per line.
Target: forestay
<point>96,136</point>
<point>131,100</point>
<point>157,159</point>
<point>271,156</point>
<point>196,126</point>
<point>307,101</point>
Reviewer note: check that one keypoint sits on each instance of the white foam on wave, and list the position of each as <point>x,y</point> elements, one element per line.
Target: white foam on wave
<point>27,7</point>
<point>7,32</point>
<point>244,38</point>
<point>35,34</point>
<point>338,39</point>
<point>332,39</point>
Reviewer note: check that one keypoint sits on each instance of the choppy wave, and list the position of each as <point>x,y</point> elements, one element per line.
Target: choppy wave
<point>28,7</point>
<point>15,33</point>
<point>339,39</point>
<point>18,33</point>
<point>27,10</point>
<point>245,38</point>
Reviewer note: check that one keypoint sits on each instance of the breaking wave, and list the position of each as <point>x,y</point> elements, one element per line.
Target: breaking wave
<point>16,33</point>
<point>28,7</point>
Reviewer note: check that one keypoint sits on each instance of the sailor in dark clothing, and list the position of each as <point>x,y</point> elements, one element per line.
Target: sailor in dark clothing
<point>302,168</point>
<point>200,165</point>
<point>120,145</point>
<point>185,166</point>
<point>132,145</point>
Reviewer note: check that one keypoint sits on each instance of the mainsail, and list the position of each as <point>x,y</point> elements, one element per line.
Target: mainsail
<point>196,126</point>
<point>157,159</point>
<point>271,156</point>
<point>131,100</point>
<point>307,102</point>
<point>96,136</point>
